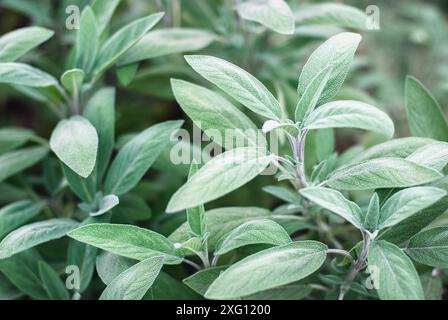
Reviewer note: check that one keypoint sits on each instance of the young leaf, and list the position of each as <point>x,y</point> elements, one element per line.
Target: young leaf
<point>434,155</point>
<point>86,41</point>
<point>104,9</point>
<point>135,158</point>
<point>336,52</point>
<point>350,114</point>
<point>397,278</point>
<point>195,216</point>
<point>133,283</point>
<point>237,83</point>
<point>167,41</point>
<point>382,173</point>
<point>53,285</point>
<point>84,188</point>
<point>372,216</point>
<point>201,280</point>
<point>425,116</point>
<point>123,40</point>
<point>283,193</point>
<point>33,234</point>
<point>75,142</point>
<point>289,127</point>
<point>335,202</point>
<point>72,80</point>
<point>127,73</point>
<point>407,202</point>
<point>312,93</point>
<point>17,213</point>
<point>25,75</point>
<point>274,14</point>
<point>100,111</point>
<point>16,161</point>
<point>128,241</point>
<point>430,247</point>
<point>269,269</point>
<point>16,43</point>
<point>219,176</point>
<point>105,205</point>
<point>253,232</point>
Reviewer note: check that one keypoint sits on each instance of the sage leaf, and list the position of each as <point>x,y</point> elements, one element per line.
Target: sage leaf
<point>87,39</point>
<point>105,205</point>
<point>238,84</point>
<point>14,162</point>
<point>25,75</point>
<point>195,215</point>
<point>109,266</point>
<point>84,188</point>
<point>104,9</point>
<point>53,285</point>
<point>72,80</point>
<point>12,138</point>
<point>372,216</point>
<point>430,247</point>
<point>15,214</point>
<point>132,208</point>
<point>283,193</point>
<point>269,269</point>
<point>434,155</point>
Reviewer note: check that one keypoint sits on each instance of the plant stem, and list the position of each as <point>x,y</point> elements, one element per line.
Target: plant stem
<point>193,264</point>
<point>358,266</point>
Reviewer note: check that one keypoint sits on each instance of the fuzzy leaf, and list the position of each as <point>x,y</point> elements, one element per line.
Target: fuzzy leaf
<point>87,39</point>
<point>430,247</point>
<point>25,75</point>
<point>104,9</point>
<point>52,283</point>
<point>434,155</point>
<point>72,80</point>
<point>17,213</point>
<point>16,161</point>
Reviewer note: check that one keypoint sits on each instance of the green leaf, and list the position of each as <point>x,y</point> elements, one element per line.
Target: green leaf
<point>53,285</point>
<point>16,161</point>
<point>397,277</point>
<point>84,188</point>
<point>135,158</point>
<point>335,202</point>
<point>372,216</point>
<point>127,73</point>
<point>7,290</point>
<point>104,9</point>
<point>16,43</point>
<point>382,173</point>
<point>219,222</point>
<point>12,138</point>
<point>288,292</point>
<point>432,286</point>
<point>337,52</point>
<point>425,116</point>
<point>105,204</point>
<point>430,247</point>
<point>72,80</point>
<point>123,40</point>
<point>75,142</point>
<point>434,155</point>
<point>33,234</point>
<point>128,241</point>
<point>17,213</point>
<point>25,75</point>
<point>87,39</point>
<point>407,202</point>
<point>312,93</point>
<point>269,269</point>
<point>283,193</point>
<point>133,283</point>
<point>216,116</point>
<point>274,14</point>
<point>253,232</point>
<point>201,280</point>
<point>219,176</point>
<point>350,114</point>
<point>109,266</point>
<point>132,208</point>
<point>324,140</point>
<point>167,41</point>
<point>334,14</point>
<point>100,111</point>
<point>237,83</point>
<point>195,215</point>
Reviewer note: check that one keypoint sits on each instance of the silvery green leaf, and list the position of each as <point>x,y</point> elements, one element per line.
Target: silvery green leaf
<point>269,269</point>
<point>283,193</point>
<point>100,111</point>
<point>430,247</point>
<point>137,156</point>
<point>167,41</point>
<point>216,116</point>
<point>15,214</point>
<point>253,232</point>
<point>16,161</point>
<point>237,83</point>
<point>84,188</point>
<point>109,266</point>
<point>337,52</point>
<point>335,202</point>
<point>288,292</point>
<point>25,75</point>
<point>201,280</point>
<point>75,142</point>
<point>350,114</point>
<point>425,117</point>
<point>133,283</point>
<point>128,241</point>
<point>221,175</point>
<point>16,43</point>
<point>396,278</point>
<point>52,283</point>
<point>324,140</point>
<point>106,204</point>
<point>382,173</point>
<point>127,73</point>
<point>271,125</point>
<point>87,39</point>
<point>132,208</point>
<point>335,14</point>
<point>123,40</point>
<point>312,93</point>
<point>219,222</point>
<point>12,138</point>
<point>372,216</point>
<point>33,234</point>
<point>397,148</point>
<point>104,9</point>
<point>72,80</point>
<point>407,202</point>
<point>274,14</point>
<point>434,155</point>
<point>195,215</point>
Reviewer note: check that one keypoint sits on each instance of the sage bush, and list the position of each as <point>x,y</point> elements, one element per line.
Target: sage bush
<point>275,160</point>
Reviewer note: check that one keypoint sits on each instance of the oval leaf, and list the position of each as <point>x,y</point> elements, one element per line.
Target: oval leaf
<point>17,213</point>
<point>16,161</point>
<point>25,75</point>
<point>430,247</point>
